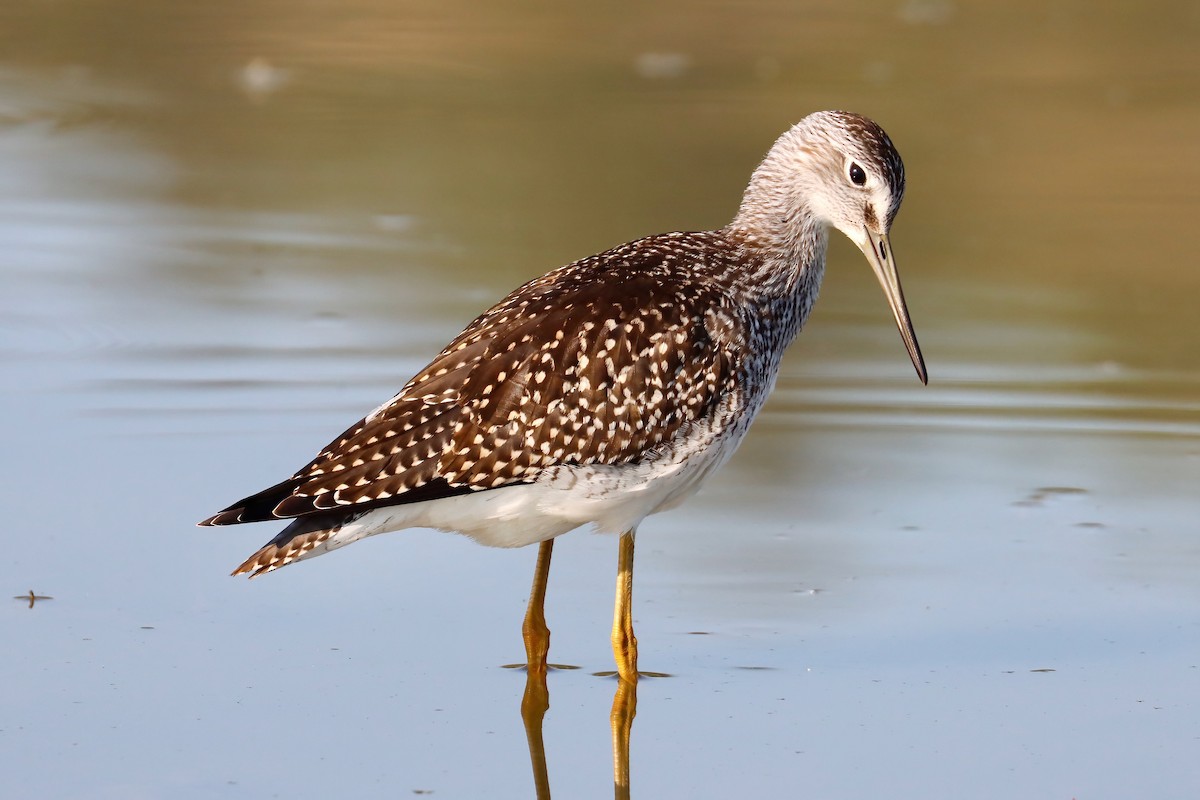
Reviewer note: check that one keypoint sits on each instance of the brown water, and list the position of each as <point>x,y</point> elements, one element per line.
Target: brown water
<point>227,229</point>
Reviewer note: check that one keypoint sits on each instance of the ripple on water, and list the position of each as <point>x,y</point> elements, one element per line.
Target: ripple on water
<point>1068,399</point>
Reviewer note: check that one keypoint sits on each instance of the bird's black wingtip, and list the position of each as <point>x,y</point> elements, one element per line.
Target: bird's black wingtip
<point>230,516</point>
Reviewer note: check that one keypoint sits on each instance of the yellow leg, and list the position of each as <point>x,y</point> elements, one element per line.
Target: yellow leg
<point>534,631</point>
<point>623,641</point>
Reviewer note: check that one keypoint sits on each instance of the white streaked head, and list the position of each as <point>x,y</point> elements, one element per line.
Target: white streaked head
<point>833,169</point>
<point>854,177</point>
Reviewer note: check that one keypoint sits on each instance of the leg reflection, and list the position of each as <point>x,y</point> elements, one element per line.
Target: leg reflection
<point>624,709</point>
<point>534,705</point>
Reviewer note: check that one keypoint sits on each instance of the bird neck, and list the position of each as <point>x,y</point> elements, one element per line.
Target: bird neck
<point>782,245</point>
<point>776,280</point>
<point>783,250</point>
<point>778,227</point>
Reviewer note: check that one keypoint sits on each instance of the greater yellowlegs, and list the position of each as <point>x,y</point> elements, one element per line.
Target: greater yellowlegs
<point>608,389</point>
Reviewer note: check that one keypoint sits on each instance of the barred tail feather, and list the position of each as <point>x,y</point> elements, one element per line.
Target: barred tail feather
<point>303,538</point>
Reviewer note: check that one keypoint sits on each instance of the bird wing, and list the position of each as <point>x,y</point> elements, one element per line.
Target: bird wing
<point>598,362</point>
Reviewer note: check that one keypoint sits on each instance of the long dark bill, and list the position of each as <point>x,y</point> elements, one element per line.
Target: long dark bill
<point>880,256</point>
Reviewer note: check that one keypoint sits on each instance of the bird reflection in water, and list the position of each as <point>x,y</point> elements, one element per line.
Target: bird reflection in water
<point>534,704</point>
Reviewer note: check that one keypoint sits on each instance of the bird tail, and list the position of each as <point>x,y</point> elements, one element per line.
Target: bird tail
<point>303,538</point>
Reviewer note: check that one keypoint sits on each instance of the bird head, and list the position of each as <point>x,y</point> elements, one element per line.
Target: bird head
<point>842,171</point>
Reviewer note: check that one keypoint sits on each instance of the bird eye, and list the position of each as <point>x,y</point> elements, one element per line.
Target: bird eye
<point>857,176</point>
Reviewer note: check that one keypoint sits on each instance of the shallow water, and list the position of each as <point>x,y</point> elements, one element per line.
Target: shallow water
<point>227,232</point>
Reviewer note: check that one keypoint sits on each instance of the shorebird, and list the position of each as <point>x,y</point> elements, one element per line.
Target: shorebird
<point>608,389</point>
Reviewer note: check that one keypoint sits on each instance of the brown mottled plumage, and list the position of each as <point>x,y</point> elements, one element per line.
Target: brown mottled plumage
<point>599,361</point>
